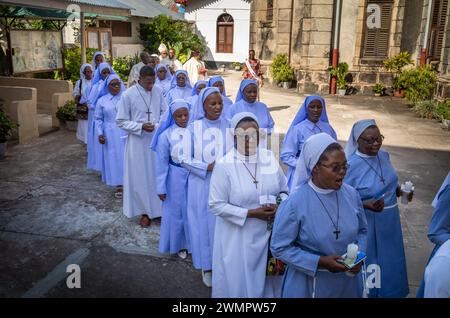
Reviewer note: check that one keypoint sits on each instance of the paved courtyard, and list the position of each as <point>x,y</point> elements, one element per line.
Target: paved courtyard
<point>54,212</point>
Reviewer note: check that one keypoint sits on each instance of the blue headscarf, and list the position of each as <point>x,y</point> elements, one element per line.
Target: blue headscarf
<point>194,89</point>
<point>168,75</point>
<point>198,111</point>
<point>93,59</point>
<point>105,90</point>
<point>216,79</point>
<point>98,72</point>
<point>82,68</point>
<point>173,82</point>
<point>244,84</point>
<point>357,129</point>
<point>302,113</point>
<point>167,119</point>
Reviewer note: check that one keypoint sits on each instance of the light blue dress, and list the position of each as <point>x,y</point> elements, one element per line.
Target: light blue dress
<point>172,180</point>
<point>259,109</point>
<point>201,220</point>
<point>178,93</point>
<point>303,231</point>
<point>114,148</point>
<point>294,141</point>
<point>95,157</point>
<point>385,239</point>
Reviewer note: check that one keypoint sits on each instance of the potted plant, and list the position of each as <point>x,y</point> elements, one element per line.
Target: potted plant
<point>341,73</point>
<point>236,65</point>
<point>6,127</point>
<point>67,115</point>
<point>281,71</point>
<point>396,65</point>
<point>378,89</point>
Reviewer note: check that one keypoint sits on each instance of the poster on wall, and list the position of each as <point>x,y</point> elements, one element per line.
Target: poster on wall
<point>36,51</point>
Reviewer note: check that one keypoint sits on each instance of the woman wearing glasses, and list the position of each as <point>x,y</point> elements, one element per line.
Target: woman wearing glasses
<point>371,173</point>
<point>314,226</point>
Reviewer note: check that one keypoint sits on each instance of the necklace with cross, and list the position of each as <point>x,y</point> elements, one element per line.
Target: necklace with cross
<point>148,112</point>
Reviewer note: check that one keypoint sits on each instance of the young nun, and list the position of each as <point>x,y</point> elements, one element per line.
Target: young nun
<point>139,111</point>
<point>311,119</point>
<point>246,101</point>
<point>109,135</point>
<point>192,100</point>
<point>371,173</point>
<point>172,178</point>
<point>163,78</point>
<point>439,227</point>
<point>208,144</point>
<point>81,91</point>
<point>314,226</point>
<point>95,155</point>
<point>97,59</point>
<point>218,81</point>
<point>241,234</point>
<point>180,87</point>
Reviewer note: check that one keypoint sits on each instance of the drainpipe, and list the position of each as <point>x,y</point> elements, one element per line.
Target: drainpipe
<point>335,56</point>
<point>290,32</point>
<point>83,41</point>
<point>423,53</point>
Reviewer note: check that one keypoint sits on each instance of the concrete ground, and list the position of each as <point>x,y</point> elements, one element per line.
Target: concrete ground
<point>54,212</point>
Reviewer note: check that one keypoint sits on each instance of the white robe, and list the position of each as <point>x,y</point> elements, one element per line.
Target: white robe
<point>139,182</point>
<point>133,78</point>
<point>192,66</point>
<point>437,274</point>
<point>240,243</point>
<point>82,129</point>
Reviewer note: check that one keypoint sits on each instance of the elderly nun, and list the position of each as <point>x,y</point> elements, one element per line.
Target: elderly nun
<point>241,237</point>
<point>81,91</point>
<point>209,142</point>
<point>311,119</point>
<point>315,225</point>
<point>371,173</point>
<point>172,178</point>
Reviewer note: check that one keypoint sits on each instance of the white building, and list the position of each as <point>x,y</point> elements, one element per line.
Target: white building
<point>225,26</point>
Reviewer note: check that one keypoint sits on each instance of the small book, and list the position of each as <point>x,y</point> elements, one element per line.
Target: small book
<point>349,263</point>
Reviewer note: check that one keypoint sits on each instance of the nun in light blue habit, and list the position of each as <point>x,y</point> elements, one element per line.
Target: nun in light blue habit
<point>314,226</point>
<point>180,86</point>
<point>210,141</point>
<point>105,124</point>
<point>164,83</point>
<point>439,227</point>
<point>311,119</point>
<point>371,173</point>
<point>95,155</point>
<point>192,100</point>
<point>218,81</point>
<point>172,179</point>
<point>246,102</point>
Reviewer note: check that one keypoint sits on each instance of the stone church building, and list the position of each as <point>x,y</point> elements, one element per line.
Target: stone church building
<point>306,31</point>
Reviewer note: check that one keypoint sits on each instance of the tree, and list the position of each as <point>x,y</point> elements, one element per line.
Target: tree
<point>175,34</point>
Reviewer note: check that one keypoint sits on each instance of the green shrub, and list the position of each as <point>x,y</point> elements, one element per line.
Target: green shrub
<point>443,111</point>
<point>236,65</point>
<point>426,109</point>
<point>68,112</point>
<point>341,73</point>
<point>6,125</point>
<point>281,70</point>
<point>378,88</point>
<point>122,65</point>
<point>419,83</point>
<point>396,63</point>
<point>72,63</point>
<point>175,34</point>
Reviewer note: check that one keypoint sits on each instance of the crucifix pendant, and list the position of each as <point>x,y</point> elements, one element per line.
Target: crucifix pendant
<point>337,232</point>
<point>148,115</point>
<point>382,180</point>
<point>256,183</point>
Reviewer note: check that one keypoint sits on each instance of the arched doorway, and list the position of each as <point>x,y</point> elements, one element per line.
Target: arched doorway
<point>225,32</point>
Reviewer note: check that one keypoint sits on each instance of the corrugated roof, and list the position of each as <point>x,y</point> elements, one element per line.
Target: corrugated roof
<point>102,3</point>
<point>150,9</point>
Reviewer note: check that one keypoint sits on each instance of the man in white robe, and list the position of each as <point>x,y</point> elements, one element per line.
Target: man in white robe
<point>139,112</point>
<point>195,68</point>
<point>174,63</point>
<point>163,54</point>
<point>133,78</point>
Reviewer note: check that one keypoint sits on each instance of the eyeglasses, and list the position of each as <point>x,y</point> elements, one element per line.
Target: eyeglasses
<point>114,84</point>
<point>379,139</point>
<point>337,168</point>
<point>250,135</point>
